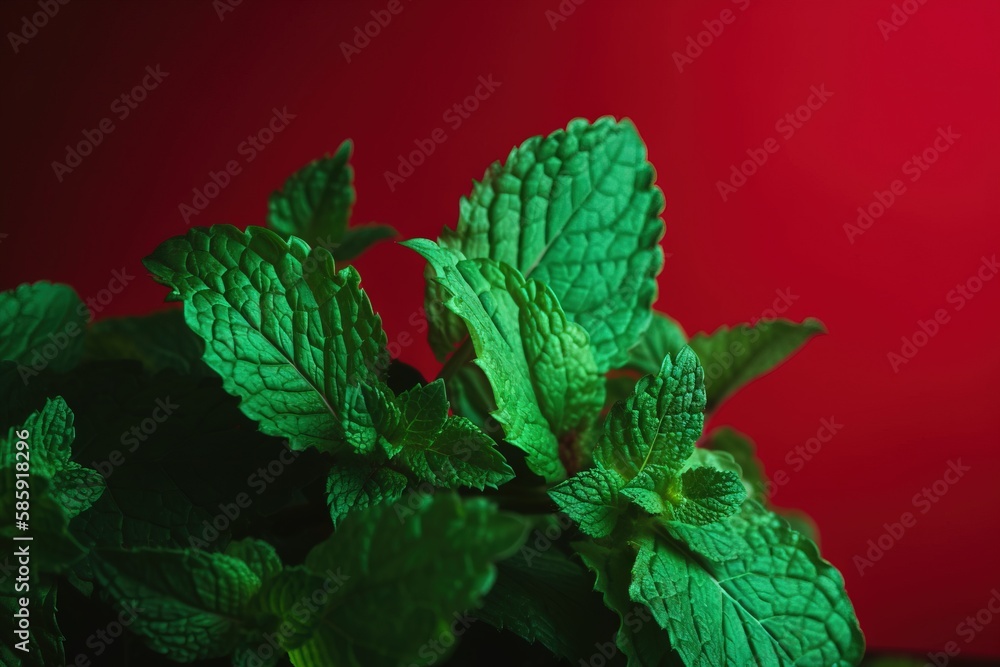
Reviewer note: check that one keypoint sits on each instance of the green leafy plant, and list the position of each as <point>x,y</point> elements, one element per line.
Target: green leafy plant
<point>301,496</point>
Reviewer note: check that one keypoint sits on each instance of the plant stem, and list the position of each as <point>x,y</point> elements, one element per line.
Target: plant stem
<point>458,358</point>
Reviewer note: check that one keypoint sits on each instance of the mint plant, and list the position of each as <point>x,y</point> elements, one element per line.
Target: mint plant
<point>312,500</point>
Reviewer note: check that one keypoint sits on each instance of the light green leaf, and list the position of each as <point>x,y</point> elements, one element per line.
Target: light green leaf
<point>659,424</point>
<point>578,211</point>
<point>647,491</point>
<point>708,495</point>
<point>545,383</point>
<point>426,565</point>
<point>779,605</point>
<point>291,336</point>
<point>315,205</point>
<point>665,336</point>
<point>41,326</point>
<point>718,542</point>
<point>590,498</point>
<point>357,485</point>
<point>734,357</point>
<point>188,604</point>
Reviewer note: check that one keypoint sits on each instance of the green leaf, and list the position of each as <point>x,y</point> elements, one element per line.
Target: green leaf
<point>315,205</point>
<point>708,495</point>
<point>424,444</point>
<point>590,498</point>
<point>49,438</point>
<point>40,327</point>
<point>578,211</point>
<point>357,239</point>
<point>163,486</point>
<point>734,357</point>
<point>779,605</point>
<point>665,336</point>
<point>547,598</point>
<point>639,638</point>
<point>426,565</point>
<point>659,424</point>
<point>648,457</point>
<point>258,555</point>
<point>358,485</point>
<point>743,451</point>
<point>423,412</point>
<point>284,606</point>
<point>188,604</point>
<point>291,336</point>
<point>460,455</point>
<point>315,202</point>
<point>545,382</point>
<point>159,341</point>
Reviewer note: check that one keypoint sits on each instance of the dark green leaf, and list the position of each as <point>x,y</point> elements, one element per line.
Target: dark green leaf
<point>188,604</point>
<point>159,341</point>
<point>315,205</point>
<point>426,563</point>
<point>547,598</point>
<point>734,357</point>
<point>41,326</point>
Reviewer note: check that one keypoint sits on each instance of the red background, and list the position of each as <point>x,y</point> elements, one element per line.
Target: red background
<point>782,229</point>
